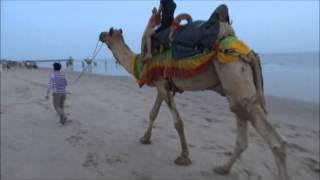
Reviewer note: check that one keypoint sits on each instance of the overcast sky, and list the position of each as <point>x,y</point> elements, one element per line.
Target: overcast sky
<point>59,29</point>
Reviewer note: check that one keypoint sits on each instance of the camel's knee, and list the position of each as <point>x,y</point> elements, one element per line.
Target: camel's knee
<point>259,120</point>
<point>240,111</point>
<point>280,144</point>
<point>243,107</point>
<point>249,109</point>
<point>178,125</point>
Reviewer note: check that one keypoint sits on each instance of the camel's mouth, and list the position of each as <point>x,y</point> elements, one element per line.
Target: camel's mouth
<point>101,37</point>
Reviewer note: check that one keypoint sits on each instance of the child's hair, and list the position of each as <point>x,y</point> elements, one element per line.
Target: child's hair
<point>56,66</point>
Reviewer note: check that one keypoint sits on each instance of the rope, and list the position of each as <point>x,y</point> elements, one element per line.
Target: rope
<point>94,55</point>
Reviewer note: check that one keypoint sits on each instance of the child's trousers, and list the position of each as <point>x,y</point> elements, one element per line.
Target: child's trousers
<point>58,103</point>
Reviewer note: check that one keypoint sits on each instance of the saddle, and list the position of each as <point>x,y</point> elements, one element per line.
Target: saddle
<point>192,38</point>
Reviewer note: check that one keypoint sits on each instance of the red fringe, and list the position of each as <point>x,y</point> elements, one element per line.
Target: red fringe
<point>169,73</point>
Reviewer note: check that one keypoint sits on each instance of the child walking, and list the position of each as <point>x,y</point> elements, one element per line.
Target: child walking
<point>57,84</point>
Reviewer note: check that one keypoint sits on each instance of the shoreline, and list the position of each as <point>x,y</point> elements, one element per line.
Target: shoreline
<point>315,102</point>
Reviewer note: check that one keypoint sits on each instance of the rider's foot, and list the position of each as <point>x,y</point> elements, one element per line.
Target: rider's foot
<point>147,57</point>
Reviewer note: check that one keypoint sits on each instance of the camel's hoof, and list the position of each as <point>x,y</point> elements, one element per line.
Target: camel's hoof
<point>183,161</point>
<point>143,140</point>
<point>221,170</point>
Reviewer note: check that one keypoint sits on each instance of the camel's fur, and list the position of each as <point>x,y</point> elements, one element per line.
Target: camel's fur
<point>234,79</point>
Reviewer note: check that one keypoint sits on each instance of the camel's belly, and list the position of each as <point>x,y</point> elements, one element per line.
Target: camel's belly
<point>205,80</point>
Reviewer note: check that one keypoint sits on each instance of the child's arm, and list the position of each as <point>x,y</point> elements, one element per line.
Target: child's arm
<point>49,88</point>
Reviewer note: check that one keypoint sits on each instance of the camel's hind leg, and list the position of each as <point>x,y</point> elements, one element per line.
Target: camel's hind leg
<point>241,146</point>
<point>152,117</point>
<point>276,143</point>
<point>237,81</point>
<point>183,159</point>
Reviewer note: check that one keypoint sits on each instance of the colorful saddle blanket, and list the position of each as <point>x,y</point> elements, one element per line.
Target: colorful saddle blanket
<point>165,66</point>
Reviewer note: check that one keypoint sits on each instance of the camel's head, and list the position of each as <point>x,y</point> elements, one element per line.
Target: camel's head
<point>111,37</point>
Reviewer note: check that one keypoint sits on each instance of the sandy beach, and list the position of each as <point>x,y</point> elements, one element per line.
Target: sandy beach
<point>108,116</point>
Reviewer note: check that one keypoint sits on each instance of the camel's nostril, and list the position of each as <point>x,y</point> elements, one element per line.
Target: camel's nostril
<point>101,36</point>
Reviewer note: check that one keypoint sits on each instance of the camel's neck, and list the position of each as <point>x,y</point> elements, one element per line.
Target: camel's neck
<point>122,53</point>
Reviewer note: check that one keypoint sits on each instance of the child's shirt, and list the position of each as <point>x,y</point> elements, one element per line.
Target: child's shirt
<point>58,82</point>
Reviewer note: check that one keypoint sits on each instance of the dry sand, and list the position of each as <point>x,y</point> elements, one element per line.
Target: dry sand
<point>110,114</point>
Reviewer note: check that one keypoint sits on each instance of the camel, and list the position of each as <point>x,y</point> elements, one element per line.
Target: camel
<point>234,80</point>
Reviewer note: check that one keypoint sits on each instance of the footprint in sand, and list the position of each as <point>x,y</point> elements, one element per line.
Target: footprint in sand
<point>139,175</point>
<point>183,104</point>
<point>313,164</point>
<point>109,132</point>
<point>209,120</point>
<point>206,174</point>
<point>157,126</point>
<point>91,162</point>
<point>292,127</point>
<point>298,148</point>
<point>12,147</point>
<point>115,159</point>
<point>206,110</point>
<point>191,145</point>
<point>145,121</point>
<point>228,153</point>
<point>209,147</point>
<point>21,89</point>
<point>171,136</point>
<point>252,135</point>
<point>225,153</point>
<point>74,140</point>
<point>251,175</point>
<point>212,120</point>
<point>43,103</point>
<point>316,132</point>
<point>204,126</point>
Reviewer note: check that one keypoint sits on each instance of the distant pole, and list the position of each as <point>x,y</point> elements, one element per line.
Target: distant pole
<point>89,64</point>
<point>82,63</point>
<point>70,63</point>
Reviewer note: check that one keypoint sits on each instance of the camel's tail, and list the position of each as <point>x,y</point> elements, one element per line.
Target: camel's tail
<point>254,60</point>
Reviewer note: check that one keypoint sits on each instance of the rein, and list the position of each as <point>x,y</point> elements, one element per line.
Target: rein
<point>94,55</point>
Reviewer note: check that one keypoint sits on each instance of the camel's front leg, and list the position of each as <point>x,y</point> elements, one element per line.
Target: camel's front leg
<point>241,146</point>
<point>183,159</point>
<point>153,115</point>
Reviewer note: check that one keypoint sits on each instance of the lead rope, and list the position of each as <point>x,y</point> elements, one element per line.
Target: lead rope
<point>94,54</point>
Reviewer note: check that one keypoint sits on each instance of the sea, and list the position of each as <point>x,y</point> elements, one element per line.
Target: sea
<point>288,75</point>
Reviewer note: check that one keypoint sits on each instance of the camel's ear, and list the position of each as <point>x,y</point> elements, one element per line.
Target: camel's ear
<point>120,31</point>
<point>111,31</point>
